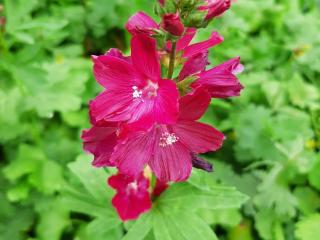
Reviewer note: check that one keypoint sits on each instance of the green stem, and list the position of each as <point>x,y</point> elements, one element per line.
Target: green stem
<point>172,59</point>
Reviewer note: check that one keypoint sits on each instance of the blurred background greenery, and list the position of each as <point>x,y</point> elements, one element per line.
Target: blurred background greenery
<point>48,191</point>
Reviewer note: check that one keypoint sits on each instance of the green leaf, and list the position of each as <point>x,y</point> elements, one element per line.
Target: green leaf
<point>180,226</point>
<point>243,231</point>
<point>278,194</point>
<point>227,217</point>
<point>140,228</point>
<point>101,227</point>
<point>308,200</point>
<point>93,179</point>
<point>54,218</point>
<point>184,195</point>
<point>29,160</point>
<point>314,175</point>
<point>13,227</point>
<point>89,193</point>
<point>308,228</point>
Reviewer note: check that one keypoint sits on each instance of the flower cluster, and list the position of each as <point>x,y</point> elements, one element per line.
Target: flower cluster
<point>145,122</point>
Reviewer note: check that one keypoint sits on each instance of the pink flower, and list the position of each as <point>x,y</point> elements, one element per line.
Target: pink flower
<point>134,91</point>
<point>132,197</point>
<point>188,50</point>
<point>171,23</point>
<point>221,81</point>
<point>194,64</point>
<point>168,148</point>
<point>141,22</point>
<point>215,8</point>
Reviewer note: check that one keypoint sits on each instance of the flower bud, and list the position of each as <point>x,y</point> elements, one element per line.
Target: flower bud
<point>195,19</point>
<point>162,2</point>
<point>215,8</point>
<point>171,23</point>
<point>165,6</point>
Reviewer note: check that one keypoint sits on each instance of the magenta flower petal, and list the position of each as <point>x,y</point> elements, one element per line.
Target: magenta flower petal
<point>114,52</point>
<point>195,48</point>
<point>145,57</point>
<point>110,71</point>
<point>194,64</point>
<point>199,137</point>
<point>233,65</point>
<point>194,105</point>
<point>141,23</point>
<point>172,159</point>
<point>186,39</point>
<point>221,81</point>
<point>159,188</point>
<point>132,197</point>
<point>111,105</point>
<point>140,106</point>
<point>100,141</point>
<point>132,154</point>
<point>160,108</point>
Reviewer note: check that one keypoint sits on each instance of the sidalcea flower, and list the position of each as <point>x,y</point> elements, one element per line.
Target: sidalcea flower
<point>141,23</point>
<point>135,91</point>
<point>215,8</point>
<point>171,23</point>
<point>132,197</point>
<point>168,148</point>
<point>221,81</point>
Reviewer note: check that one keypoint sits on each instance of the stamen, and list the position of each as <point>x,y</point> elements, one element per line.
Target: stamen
<point>167,139</point>
<point>136,93</point>
<point>132,186</point>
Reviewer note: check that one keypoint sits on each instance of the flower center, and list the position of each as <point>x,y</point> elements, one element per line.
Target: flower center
<point>149,91</point>
<point>132,187</point>
<point>167,139</point>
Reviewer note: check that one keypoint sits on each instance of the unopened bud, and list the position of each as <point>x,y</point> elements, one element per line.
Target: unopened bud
<point>195,19</point>
<point>171,23</point>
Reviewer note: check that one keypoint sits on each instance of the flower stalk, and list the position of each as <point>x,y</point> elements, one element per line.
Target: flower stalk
<point>172,60</point>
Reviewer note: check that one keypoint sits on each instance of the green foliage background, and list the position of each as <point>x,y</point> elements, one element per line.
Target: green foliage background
<point>50,192</point>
